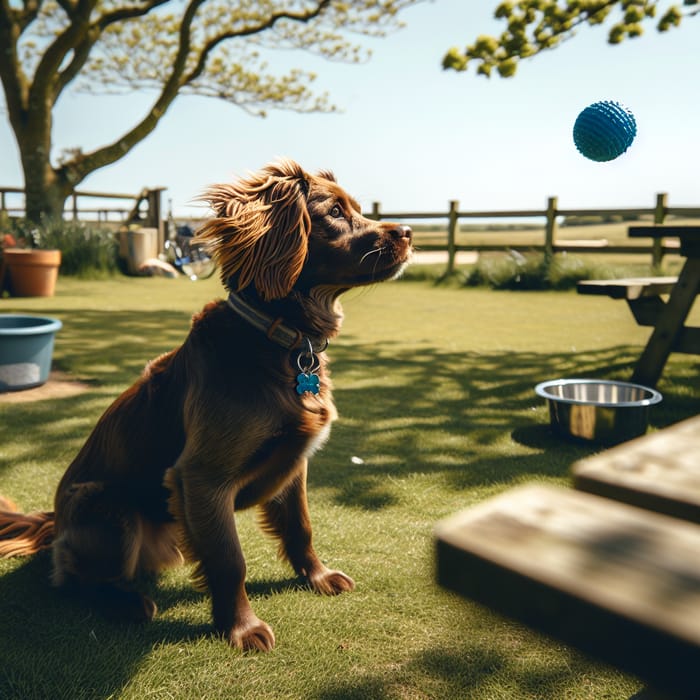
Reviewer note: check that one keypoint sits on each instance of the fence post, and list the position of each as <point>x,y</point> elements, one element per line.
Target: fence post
<point>375,212</point>
<point>452,230</point>
<point>75,206</point>
<point>550,229</point>
<point>3,208</point>
<point>657,246</point>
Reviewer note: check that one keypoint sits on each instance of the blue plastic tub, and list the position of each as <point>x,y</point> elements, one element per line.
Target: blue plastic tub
<point>26,348</point>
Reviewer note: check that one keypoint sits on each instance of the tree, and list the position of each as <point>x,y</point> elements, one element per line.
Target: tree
<point>215,48</point>
<point>538,25</point>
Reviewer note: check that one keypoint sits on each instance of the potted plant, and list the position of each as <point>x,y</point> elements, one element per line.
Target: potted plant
<point>27,269</point>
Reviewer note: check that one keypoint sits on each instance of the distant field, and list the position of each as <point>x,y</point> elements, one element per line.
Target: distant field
<point>528,235</point>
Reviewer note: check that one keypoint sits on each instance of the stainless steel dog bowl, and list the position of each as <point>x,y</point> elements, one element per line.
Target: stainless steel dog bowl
<point>597,410</point>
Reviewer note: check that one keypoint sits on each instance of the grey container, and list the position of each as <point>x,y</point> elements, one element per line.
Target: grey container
<point>26,349</point>
<point>606,412</point>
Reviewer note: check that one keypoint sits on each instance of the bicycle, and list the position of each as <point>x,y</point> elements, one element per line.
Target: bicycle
<point>184,253</point>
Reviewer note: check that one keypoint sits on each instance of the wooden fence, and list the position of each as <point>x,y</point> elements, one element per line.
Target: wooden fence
<point>131,209</point>
<point>550,216</point>
<point>146,208</point>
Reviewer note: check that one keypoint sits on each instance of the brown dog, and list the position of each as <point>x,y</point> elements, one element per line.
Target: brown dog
<point>229,419</point>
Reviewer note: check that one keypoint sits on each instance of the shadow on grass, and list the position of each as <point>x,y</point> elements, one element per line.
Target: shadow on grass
<point>472,419</point>
<point>468,419</point>
<point>115,345</point>
<point>85,656</point>
<point>471,669</point>
<point>403,411</point>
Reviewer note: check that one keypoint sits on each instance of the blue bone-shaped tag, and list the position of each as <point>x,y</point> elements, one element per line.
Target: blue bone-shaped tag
<point>307,382</point>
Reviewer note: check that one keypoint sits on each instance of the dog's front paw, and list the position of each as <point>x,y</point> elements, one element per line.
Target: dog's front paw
<point>328,582</point>
<point>252,635</point>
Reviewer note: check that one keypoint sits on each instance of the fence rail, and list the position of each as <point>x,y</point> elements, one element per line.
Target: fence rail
<point>550,216</point>
<point>144,207</point>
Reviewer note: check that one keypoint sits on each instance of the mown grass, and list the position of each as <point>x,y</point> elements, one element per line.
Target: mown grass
<point>434,387</point>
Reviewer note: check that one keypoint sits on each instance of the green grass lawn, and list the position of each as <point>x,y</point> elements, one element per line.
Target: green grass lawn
<point>434,386</point>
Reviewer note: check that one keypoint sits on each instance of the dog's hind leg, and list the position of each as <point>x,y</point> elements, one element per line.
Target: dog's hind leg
<point>96,550</point>
<point>286,517</point>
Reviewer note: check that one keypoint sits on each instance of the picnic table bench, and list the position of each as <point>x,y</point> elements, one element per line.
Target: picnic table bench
<point>643,296</point>
<point>630,289</point>
<point>611,567</point>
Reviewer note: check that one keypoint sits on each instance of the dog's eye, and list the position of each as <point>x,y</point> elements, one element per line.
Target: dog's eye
<point>336,212</point>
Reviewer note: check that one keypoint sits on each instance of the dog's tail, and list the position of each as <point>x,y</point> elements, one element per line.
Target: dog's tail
<point>23,534</point>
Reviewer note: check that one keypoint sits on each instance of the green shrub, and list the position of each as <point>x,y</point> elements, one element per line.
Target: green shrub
<point>87,250</point>
<point>533,272</point>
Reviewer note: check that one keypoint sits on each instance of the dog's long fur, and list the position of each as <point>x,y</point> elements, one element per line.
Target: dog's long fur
<point>217,425</point>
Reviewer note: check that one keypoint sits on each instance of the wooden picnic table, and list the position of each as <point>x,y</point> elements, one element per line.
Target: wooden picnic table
<point>643,295</point>
<point>611,567</point>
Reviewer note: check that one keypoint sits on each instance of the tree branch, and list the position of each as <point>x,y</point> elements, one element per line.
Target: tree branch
<point>124,13</point>
<point>87,163</point>
<point>28,13</point>
<point>46,85</point>
<point>302,17</point>
<point>67,6</point>
<point>566,33</point>
<point>549,24</point>
<point>81,52</point>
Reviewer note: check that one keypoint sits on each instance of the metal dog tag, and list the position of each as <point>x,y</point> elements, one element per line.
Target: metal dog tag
<point>307,381</point>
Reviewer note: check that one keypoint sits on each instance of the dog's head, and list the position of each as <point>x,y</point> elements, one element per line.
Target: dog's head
<point>282,229</point>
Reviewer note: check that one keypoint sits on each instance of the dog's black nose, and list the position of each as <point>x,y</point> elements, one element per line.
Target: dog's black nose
<point>402,231</point>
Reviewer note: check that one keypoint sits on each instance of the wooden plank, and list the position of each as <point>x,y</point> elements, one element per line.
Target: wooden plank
<point>628,288</point>
<point>615,581</point>
<point>647,310</point>
<point>688,341</point>
<point>668,328</point>
<point>660,471</point>
<point>575,243</point>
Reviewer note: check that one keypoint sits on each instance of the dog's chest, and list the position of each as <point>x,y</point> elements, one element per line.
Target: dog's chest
<point>315,419</point>
<point>278,459</point>
<point>318,441</point>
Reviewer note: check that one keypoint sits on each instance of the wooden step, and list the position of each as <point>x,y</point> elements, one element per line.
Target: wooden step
<point>660,471</point>
<point>618,582</point>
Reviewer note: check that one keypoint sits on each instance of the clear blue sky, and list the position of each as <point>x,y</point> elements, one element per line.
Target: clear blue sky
<point>413,136</point>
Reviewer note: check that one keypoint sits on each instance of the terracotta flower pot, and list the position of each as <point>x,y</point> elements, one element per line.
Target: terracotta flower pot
<point>32,272</point>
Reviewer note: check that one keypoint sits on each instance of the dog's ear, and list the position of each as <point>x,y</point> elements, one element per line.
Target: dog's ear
<point>259,234</point>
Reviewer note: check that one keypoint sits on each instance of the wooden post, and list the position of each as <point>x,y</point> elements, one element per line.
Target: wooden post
<point>657,246</point>
<point>3,209</point>
<point>75,206</point>
<point>452,230</point>
<point>154,216</point>
<point>375,212</point>
<point>550,229</point>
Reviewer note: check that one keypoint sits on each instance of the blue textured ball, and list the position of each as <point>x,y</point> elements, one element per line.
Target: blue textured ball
<point>604,130</point>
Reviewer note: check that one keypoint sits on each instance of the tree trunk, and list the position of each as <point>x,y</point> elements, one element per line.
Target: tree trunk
<point>45,190</point>
<point>45,201</point>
